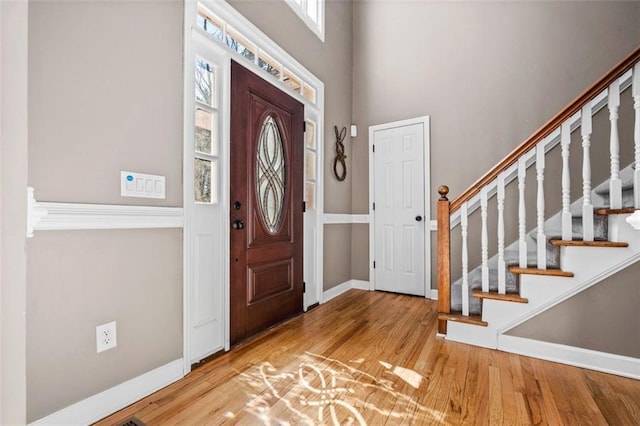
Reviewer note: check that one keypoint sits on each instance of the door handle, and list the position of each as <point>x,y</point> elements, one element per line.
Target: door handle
<point>418,218</point>
<point>237,224</point>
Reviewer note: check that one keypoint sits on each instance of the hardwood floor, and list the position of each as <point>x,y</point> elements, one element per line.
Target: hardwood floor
<point>373,358</point>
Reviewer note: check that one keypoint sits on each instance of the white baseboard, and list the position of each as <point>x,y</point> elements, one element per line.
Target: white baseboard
<point>108,402</point>
<point>360,284</point>
<point>578,357</point>
<point>336,291</point>
<point>344,287</point>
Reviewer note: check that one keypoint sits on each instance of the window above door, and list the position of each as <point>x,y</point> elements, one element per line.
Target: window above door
<point>312,13</point>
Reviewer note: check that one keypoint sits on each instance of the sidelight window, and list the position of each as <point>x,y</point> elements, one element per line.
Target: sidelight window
<point>205,148</point>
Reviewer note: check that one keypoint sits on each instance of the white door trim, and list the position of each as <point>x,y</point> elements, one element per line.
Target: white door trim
<point>424,120</point>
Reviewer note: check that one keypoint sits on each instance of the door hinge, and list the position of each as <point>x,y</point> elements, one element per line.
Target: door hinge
<point>374,264</point>
<point>304,287</point>
<point>304,127</point>
<point>374,148</point>
<point>374,206</point>
<point>304,207</point>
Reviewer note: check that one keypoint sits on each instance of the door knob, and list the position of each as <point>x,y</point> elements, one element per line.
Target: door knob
<point>237,224</point>
<point>418,218</point>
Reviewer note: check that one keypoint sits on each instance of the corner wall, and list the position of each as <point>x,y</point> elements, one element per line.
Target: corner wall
<point>13,208</point>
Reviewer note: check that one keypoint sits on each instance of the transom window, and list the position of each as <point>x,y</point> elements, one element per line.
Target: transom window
<point>312,13</point>
<point>219,30</point>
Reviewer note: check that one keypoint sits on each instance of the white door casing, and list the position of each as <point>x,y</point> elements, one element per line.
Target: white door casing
<point>399,181</point>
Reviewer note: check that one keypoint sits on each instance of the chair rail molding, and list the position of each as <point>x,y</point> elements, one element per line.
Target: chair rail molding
<point>35,212</point>
<point>51,216</point>
<point>335,218</point>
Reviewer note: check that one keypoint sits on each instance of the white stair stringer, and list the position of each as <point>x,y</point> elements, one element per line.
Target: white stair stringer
<point>590,265</point>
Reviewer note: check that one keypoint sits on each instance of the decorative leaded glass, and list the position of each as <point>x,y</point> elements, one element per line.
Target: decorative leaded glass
<point>270,175</point>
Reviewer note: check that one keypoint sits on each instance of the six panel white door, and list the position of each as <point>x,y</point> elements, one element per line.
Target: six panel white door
<point>399,215</point>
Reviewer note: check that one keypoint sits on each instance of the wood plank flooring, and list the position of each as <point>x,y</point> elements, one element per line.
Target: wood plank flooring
<point>373,358</point>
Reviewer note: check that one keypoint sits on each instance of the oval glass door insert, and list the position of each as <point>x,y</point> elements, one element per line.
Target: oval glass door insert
<point>270,175</point>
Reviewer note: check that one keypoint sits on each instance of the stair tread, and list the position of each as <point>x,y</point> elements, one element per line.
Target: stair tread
<point>605,210</point>
<point>471,319</point>
<point>580,243</point>
<point>509,297</point>
<point>536,271</point>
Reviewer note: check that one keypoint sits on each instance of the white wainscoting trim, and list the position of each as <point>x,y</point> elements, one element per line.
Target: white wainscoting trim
<point>433,225</point>
<point>578,357</point>
<point>433,295</point>
<point>69,216</point>
<point>343,288</point>
<point>105,403</point>
<point>345,218</point>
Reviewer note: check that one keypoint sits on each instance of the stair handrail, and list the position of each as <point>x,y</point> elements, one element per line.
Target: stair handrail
<point>574,106</point>
<point>536,145</point>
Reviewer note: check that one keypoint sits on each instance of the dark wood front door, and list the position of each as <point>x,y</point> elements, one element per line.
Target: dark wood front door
<point>267,151</point>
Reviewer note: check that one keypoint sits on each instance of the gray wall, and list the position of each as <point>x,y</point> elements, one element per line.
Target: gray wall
<point>331,62</point>
<point>105,94</point>
<point>488,74</point>
<point>78,280</point>
<point>13,182</point>
<point>604,317</point>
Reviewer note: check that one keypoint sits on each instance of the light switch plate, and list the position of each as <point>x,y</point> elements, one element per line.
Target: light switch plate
<point>133,184</point>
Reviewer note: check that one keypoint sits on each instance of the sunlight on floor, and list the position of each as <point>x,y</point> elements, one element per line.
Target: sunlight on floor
<point>322,390</point>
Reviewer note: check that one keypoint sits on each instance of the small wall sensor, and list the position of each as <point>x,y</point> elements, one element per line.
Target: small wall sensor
<point>354,130</point>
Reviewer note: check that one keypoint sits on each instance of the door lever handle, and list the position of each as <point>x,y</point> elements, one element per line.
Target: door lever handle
<point>418,218</point>
<point>237,224</point>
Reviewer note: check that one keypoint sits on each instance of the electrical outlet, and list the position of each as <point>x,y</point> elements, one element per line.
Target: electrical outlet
<point>106,337</point>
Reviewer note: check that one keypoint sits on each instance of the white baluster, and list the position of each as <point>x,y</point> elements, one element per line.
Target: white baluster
<point>465,260</point>
<point>541,237</point>
<point>636,135</point>
<point>485,239</point>
<point>587,207</point>
<point>565,141</point>
<point>522,214</point>
<point>502,281</point>
<point>615,184</point>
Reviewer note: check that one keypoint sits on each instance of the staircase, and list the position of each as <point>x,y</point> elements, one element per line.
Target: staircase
<point>585,242</point>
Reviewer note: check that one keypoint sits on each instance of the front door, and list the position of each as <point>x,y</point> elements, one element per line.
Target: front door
<point>267,147</point>
<point>401,213</point>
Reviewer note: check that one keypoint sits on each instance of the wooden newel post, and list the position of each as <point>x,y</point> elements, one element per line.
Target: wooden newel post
<point>444,258</point>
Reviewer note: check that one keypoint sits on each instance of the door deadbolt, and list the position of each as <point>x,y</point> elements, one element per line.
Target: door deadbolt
<point>237,205</point>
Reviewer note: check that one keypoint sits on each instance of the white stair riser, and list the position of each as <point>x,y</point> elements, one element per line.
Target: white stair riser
<point>589,264</point>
